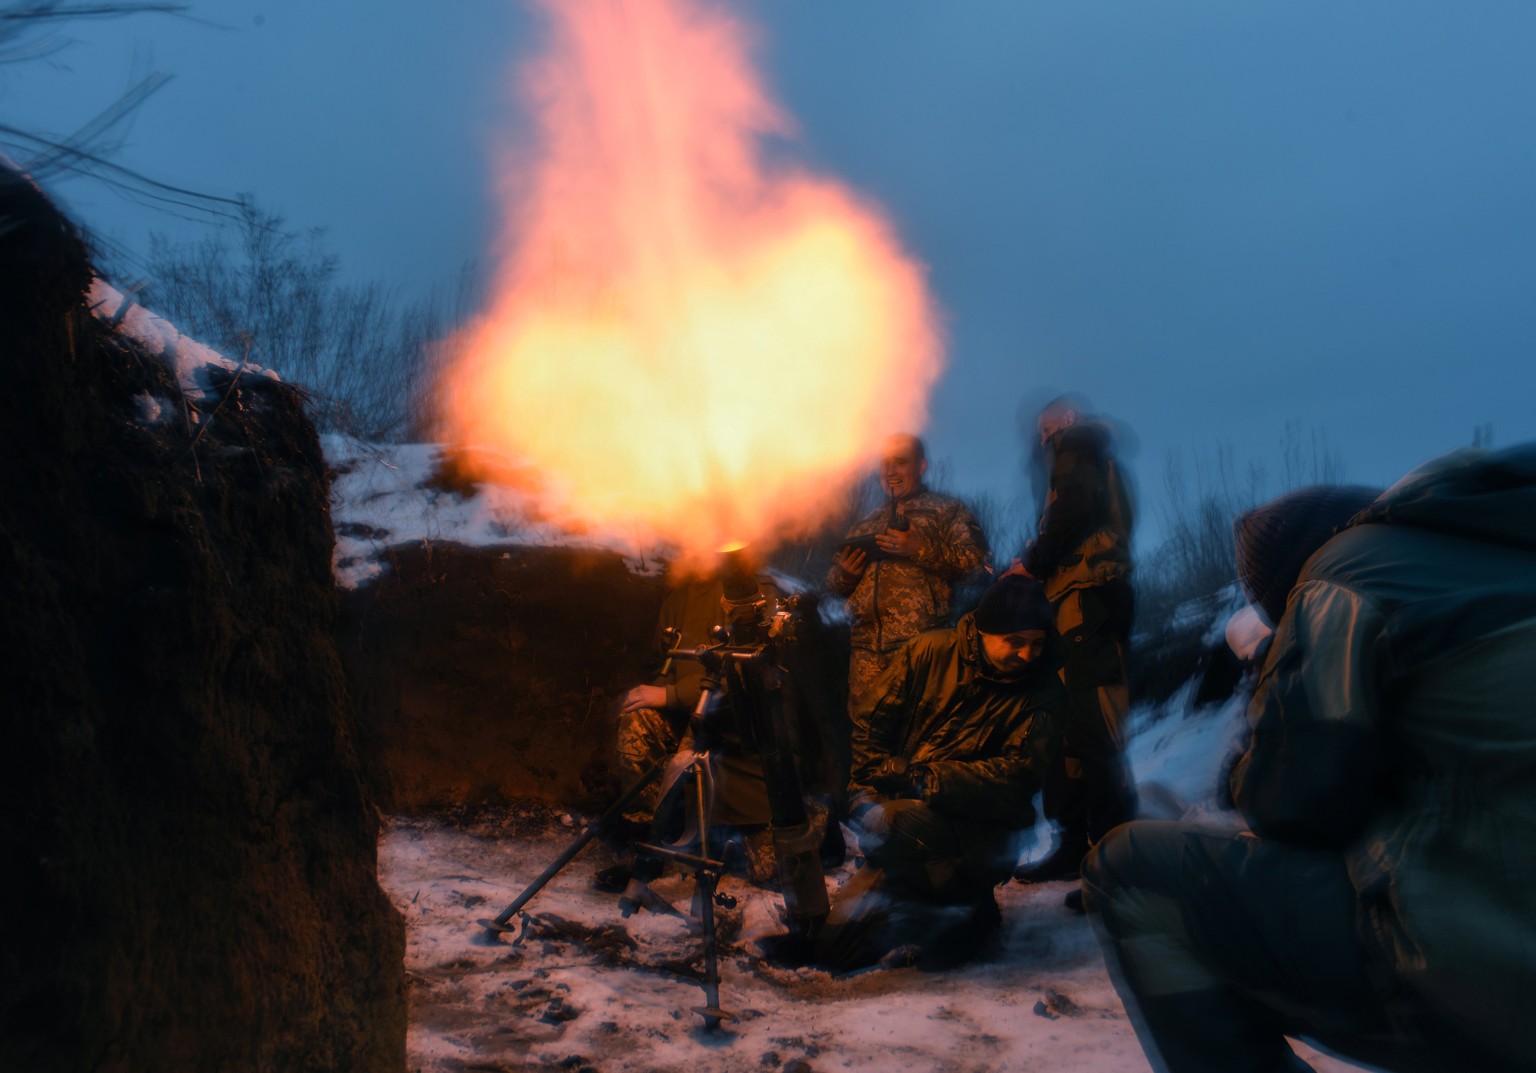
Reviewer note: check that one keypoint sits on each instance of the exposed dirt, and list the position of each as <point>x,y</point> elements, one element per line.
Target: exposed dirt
<point>489,675</point>
<point>189,855</point>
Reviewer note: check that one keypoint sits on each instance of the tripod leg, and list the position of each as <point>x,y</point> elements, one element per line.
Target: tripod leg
<point>711,1012</point>
<point>499,924</point>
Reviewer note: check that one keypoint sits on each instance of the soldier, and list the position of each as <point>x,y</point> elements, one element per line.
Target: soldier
<point>1384,901</point>
<point>1082,556</point>
<point>945,766</point>
<point>900,579</point>
<point>653,725</point>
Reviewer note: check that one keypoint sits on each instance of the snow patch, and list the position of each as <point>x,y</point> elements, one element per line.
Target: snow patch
<point>151,410</point>
<point>190,360</point>
<point>384,495</point>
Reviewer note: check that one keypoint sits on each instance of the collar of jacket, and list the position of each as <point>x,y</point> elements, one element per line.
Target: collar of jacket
<point>1050,660</point>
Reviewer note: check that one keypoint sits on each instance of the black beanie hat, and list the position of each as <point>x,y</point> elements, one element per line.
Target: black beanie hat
<point>1013,604</point>
<point>1275,541</point>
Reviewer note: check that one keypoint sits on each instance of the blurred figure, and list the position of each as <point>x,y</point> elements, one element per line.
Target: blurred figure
<point>1082,555</point>
<point>899,580</point>
<point>944,771</point>
<point>1384,904</point>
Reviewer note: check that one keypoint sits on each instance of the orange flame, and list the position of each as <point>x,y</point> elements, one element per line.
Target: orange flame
<point>691,344</point>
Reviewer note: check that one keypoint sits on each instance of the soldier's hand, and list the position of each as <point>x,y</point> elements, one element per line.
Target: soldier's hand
<point>903,543</point>
<point>644,697</point>
<point>851,561</point>
<point>895,778</point>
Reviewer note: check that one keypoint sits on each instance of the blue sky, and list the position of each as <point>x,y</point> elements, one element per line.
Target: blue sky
<point>1213,218</point>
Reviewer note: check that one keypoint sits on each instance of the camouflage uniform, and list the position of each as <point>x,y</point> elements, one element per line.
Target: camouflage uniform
<point>739,797</point>
<point>896,599</point>
<point>647,735</point>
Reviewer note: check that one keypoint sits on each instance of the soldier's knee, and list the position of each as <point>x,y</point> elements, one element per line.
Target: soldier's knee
<point>900,831</point>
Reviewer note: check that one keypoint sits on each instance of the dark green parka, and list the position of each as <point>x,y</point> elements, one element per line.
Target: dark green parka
<point>1394,719</point>
<point>979,735</point>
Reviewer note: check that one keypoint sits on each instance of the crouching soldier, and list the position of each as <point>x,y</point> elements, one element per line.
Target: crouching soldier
<point>654,727</point>
<point>1384,904</point>
<point>944,768</point>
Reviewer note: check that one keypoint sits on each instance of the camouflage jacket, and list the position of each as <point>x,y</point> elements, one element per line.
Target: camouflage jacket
<point>980,736</point>
<point>896,599</point>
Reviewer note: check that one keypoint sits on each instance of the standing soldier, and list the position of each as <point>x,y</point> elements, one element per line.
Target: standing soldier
<point>1082,555</point>
<point>899,580</point>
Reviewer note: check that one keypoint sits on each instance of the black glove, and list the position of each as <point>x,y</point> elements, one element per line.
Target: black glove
<point>894,777</point>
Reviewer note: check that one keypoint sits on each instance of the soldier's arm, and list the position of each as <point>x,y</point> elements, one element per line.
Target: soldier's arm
<point>999,787</point>
<point>1069,511</point>
<point>840,581</point>
<point>877,730</point>
<point>954,546</point>
<point>1311,773</point>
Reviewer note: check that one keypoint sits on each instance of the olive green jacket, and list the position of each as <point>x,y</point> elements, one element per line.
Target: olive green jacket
<point>980,736</point>
<point>1394,720</point>
<point>1084,538</point>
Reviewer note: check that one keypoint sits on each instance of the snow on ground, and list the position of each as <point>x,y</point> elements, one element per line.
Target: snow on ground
<point>190,360</point>
<point>385,495</point>
<point>586,988</point>
<point>583,988</point>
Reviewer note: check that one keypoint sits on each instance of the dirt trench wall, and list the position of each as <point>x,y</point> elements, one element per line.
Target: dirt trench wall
<point>188,851</point>
<point>484,675</point>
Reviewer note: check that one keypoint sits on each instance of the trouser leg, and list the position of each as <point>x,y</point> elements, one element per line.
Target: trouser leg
<point>1095,791</point>
<point>1220,944</point>
<point>646,736</point>
<point>1094,748</point>
<point>926,881</point>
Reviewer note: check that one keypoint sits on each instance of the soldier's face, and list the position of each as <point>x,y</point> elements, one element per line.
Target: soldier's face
<point>1053,421</point>
<point>1012,652</point>
<point>901,471</point>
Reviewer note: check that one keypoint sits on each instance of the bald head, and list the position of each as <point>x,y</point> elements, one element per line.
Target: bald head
<point>903,461</point>
<point>1062,412</point>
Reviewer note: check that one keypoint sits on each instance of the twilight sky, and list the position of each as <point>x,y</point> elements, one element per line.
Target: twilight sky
<point>1213,218</point>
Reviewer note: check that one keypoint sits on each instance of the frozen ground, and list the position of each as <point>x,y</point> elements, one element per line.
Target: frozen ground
<point>582,988</point>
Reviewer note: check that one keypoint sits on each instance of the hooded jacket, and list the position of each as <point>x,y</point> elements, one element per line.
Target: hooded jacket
<point>941,706</point>
<point>1393,720</point>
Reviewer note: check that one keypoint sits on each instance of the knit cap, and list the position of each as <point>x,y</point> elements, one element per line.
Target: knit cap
<point>1013,604</point>
<point>1275,541</point>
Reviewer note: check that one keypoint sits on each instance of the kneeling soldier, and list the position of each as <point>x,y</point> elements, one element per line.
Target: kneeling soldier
<point>946,759</point>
